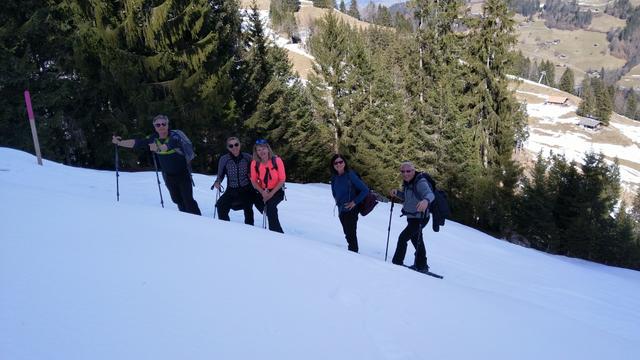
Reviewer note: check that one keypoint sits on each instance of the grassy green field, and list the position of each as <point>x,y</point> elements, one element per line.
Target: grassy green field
<point>580,50</point>
<point>603,23</point>
<point>631,79</point>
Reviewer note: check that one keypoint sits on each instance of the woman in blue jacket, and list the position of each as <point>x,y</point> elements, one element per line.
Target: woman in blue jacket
<point>348,191</point>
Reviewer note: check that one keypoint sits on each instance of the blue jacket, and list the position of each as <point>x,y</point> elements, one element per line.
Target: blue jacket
<point>346,188</point>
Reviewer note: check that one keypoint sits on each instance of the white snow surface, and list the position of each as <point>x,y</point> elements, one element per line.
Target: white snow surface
<point>274,37</point>
<point>85,277</point>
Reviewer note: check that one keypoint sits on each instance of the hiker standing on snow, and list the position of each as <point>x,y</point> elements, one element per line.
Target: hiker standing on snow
<point>235,165</point>
<point>348,191</point>
<point>268,176</point>
<point>166,146</point>
<point>416,195</point>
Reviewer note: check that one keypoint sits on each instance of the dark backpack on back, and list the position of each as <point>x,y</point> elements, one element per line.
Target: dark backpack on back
<point>186,146</point>
<point>440,206</point>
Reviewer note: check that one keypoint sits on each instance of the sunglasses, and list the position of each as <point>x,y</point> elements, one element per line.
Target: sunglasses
<point>406,171</point>
<point>261,142</point>
<point>231,146</point>
<point>338,162</point>
<point>160,124</point>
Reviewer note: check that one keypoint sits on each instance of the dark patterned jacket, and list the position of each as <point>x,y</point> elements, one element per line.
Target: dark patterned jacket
<point>236,169</point>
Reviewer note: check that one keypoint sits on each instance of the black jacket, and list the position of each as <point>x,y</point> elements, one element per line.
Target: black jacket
<point>439,209</point>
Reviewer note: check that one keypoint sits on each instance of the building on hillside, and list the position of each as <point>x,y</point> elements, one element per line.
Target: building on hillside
<point>591,124</point>
<point>557,100</point>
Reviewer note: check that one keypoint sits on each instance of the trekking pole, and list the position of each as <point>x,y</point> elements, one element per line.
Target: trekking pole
<point>155,164</point>
<point>388,231</point>
<point>215,206</point>
<point>264,216</point>
<point>117,174</point>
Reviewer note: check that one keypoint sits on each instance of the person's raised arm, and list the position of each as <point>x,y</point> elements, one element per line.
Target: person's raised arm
<point>129,143</point>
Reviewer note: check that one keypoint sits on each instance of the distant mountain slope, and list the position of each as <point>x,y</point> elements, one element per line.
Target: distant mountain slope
<point>554,127</point>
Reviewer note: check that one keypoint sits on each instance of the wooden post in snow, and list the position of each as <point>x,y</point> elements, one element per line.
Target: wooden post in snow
<point>32,122</point>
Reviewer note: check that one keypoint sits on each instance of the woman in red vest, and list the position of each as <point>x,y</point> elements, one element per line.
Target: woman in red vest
<point>267,177</point>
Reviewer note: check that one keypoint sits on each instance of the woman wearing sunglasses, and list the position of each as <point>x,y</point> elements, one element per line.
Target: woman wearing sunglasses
<point>348,191</point>
<point>267,177</point>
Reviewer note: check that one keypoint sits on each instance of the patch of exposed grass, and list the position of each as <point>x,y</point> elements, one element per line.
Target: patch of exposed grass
<point>631,79</point>
<point>604,23</point>
<point>580,50</point>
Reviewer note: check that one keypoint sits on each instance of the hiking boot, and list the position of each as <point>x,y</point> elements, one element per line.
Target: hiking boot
<point>421,269</point>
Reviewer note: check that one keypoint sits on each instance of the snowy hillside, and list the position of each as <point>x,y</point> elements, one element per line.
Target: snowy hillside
<point>555,128</point>
<point>85,277</point>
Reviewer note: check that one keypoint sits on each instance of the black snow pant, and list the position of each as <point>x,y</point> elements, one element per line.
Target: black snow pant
<point>349,221</point>
<point>271,209</point>
<point>237,198</point>
<point>412,232</point>
<point>181,191</point>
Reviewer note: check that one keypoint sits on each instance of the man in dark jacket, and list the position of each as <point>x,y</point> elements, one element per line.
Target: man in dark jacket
<point>166,147</point>
<point>239,193</point>
<point>416,195</point>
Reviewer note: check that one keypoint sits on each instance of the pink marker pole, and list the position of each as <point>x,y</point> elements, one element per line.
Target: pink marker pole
<point>32,122</point>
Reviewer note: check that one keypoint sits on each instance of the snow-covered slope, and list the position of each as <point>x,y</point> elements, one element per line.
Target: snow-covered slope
<point>555,128</point>
<point>85,277</point>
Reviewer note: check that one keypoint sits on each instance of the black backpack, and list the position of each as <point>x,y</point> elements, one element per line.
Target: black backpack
<point>440,207</point>
<point>273,163</point>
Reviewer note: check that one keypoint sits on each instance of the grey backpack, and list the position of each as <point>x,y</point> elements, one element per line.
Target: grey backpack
<point>186,146</point>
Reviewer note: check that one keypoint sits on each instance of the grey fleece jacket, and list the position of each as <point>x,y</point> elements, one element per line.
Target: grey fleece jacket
<point>411,199</point>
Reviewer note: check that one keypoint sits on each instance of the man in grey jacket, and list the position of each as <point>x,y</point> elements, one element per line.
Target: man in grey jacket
<point>416,195</point>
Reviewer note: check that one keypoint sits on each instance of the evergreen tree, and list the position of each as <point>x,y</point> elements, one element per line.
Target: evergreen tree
<point>383,17</point>
<point>604,100</point>
<point>632,105</point>
<point>600,190</point>
<point>534,219</point>
<point>329,46</point>
<point>343,7</point>
<point>354,94</point>
<point>549,69</point>
<point>292,5</point>
<point>353,9</point>
<point>171,57</point>
<point>520,66</point>
<point>327,4</point>
<point>587,106</point>
<point>29,60</point>
<point>635,210</point>
<point>567,82</point>
<point>255,69</point>
<point>534,71</point>
<point>622,247</point>
<point>495,118</point>
<point>564,187</point>
<point>402,24</point>
<point>282,17</point>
